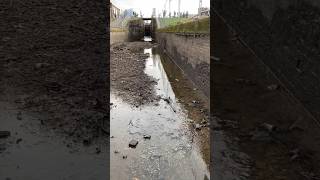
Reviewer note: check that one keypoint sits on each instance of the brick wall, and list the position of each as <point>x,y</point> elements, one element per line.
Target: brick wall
<point>192,54</point>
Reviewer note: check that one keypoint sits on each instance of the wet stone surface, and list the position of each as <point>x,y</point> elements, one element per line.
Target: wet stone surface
<point>168,145</point>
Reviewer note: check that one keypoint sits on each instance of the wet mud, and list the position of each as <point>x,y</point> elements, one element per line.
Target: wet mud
<point>270,132</point>
<point>172,131</point>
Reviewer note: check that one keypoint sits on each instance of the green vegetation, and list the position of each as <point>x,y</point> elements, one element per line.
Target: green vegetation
<point>114,29</point>
<point>165,22</point>
<point>193,26</point>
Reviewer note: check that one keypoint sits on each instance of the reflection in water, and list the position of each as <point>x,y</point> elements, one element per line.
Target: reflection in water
<point>147,38</point>
<point>171,152</point>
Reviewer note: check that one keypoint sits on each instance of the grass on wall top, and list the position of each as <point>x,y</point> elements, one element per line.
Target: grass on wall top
<point>195,26</point>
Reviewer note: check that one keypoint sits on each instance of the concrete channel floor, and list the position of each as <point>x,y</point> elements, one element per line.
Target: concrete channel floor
<point>273,135</point>
<point>175,149</point>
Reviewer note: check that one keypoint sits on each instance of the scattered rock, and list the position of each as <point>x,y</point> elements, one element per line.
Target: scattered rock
<point>86,141</point>
<point>146,136</point>
<point>273,87</point>
<point>197,127</point>
<point>167,100</point>
<point>195,102</point>
<point>98,150</point>
<point>295,154</point>
<point>4,134</point>
<point>215,58</point>
<point>295,126</point>
<point>268,127</point>
<point>41,65</point>
<point>133,144</point>
<point>262,136</point>
<point>18,140</point>
<point>124,157</point>
<point>116,152</point>
<point>19,114</point>
<point>244,81</point>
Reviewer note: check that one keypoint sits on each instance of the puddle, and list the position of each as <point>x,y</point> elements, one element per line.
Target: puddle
<point>172,153</point>
<point>41,154</point>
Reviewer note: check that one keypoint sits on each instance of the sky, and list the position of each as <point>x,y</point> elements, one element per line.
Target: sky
<point>145,6</point>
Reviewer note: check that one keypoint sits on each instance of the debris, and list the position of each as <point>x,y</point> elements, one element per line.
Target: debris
<point>244,81</point>
<point>167,100</point>
<point>4,134</point>
<point>98,150</point>
<point>124,157</point>
<point>197,127</point>
<point>195,102</point>
<point>86,141</point>
<point>295,126</point>
<point>146,136</point>
<point>133,144</point>
<point>116,152</point>
<point>268,127</point>
<point>41,65</point>
<point>19,116</point>
<point>263,136</point>
<point>18,140</point>
<point>215,58</point>
<point>273,87</point>
<point>295,154</point>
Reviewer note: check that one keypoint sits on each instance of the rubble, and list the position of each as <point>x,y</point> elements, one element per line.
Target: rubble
<point>4,134</point>
<point>133,143</point>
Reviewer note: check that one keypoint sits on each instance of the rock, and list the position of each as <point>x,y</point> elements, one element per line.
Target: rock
<point>273,87</point>
<point>18,140</point>
<point>295,154</point>
<point>197,127</point>
<point>268,127</point>
<point>244,81</point>
<point>146,136</point>
<point>41,65</point>
<point>167,100</point>
<point>215,58</point>
<point>295,126</point>
<point>98,150</point>
<point>19,116</point>
<point>116,152</point>
<point>124,157</point>
<point>86,141</point>
<point>133,143</point>
<point>262,136</point>
<point>204,121</point>
<point>4,134</point>
<point>195,102</point>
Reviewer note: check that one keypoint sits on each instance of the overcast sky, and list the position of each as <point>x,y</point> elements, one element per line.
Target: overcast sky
<point>145,6</point>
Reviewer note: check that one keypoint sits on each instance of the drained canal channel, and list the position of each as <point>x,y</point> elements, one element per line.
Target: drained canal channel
<point>159,120</point>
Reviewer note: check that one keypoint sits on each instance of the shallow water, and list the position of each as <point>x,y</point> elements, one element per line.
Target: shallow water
<point>172,151</point>
<point>41,154</point>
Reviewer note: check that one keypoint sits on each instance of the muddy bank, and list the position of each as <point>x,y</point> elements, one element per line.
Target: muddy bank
<point>127,73</point>
<point>55,54</point>
<point>259,116</point>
